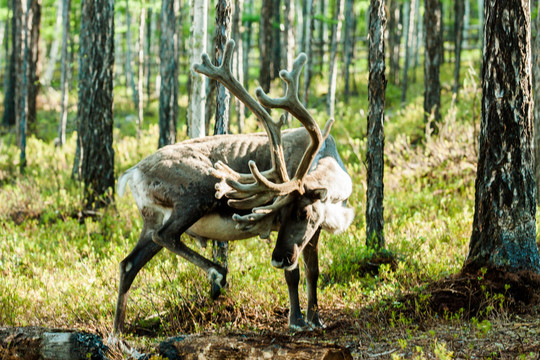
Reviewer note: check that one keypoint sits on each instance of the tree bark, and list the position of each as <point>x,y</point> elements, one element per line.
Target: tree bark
<point>375,149</point>
<point>8,117</point>
<point>95,108</point>
<point>168,53</point>
<point>53,53</point>
<point>34,22</point>
<point>432,61</point>
<point>409,31</point>
<point>265,45</point>
<point>348,46</point>
<point>504,226</point>
<point>64,75</point>
<point>336,39</point>
<point>129,68</point>
<point>140,76</point>
<point>197,103</point>
<point>276,38</point>
<point>394,40</point>
<point>238,59</point>
<point>459,8</point>
<point>308,37</point>
<point>223,34</point>
<point>536,92</point>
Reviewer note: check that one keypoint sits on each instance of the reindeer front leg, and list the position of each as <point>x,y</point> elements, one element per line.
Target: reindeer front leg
<point>296,321</point>
<point>311,265</point>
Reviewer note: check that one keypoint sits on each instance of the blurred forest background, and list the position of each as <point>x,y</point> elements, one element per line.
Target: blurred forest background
<point>114,78</point>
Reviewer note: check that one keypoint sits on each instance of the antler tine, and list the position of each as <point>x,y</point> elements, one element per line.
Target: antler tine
<point>292,104</point>
<point>223,74</point>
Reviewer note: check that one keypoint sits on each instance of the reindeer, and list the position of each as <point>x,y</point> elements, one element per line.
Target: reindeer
<point>212,188</point>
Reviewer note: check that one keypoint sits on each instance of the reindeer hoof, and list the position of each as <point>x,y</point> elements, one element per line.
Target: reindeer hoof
<point>218,281</point>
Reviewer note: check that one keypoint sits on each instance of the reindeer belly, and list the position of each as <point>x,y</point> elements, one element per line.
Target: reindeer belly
<point>217,227</point>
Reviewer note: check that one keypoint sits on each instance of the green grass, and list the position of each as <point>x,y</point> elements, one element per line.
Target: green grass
<point>58,270</point>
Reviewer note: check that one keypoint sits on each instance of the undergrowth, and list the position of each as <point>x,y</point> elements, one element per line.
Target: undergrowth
<point>59,268</point>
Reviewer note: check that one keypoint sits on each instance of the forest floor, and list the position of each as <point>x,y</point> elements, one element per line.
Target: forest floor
<point>502,310</point>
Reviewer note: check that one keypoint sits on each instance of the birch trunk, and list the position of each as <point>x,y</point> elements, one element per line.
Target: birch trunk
<point>197,103</point>
<point>394,41</point>
<point>53,53</point>
<point>238,60</point>
<point>348,46</point>
<point>336,39</point>
<point>140,77</point>
<point>409,30</point>
<point>129,68</point>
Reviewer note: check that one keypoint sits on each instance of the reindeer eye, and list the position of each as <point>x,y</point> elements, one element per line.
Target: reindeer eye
<point>302,214</point>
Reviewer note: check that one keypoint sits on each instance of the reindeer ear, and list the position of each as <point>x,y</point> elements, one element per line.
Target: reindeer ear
<point>319,194</point>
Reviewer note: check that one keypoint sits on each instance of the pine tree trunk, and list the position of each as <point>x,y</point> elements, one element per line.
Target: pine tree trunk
<point>140,76</point>
<point>394,40</point>
<point>148,63</point>
<point>197,103</point>
<point>308,37</point>
<point>504,226</point>
<point>265,45</point>
<point>95,108</point>
<point>288,38</point>
<point>536,92</point>
<point>223,100</point>
<point>348,44</point>
<point>432,62</point>
<point>238,59</point>
<point>276,38</point>
<point>129,68</point>
<point>23,79</point>
<point>64,75</point>
<point>375,148</point>
<point>8,117</point>
<point>223,34</point>
<point>408,19</point>
<point>417,39</point>
<point>33,25</point>
<point>168,53</point>
<point>459,8</point>
<point>336,39</point>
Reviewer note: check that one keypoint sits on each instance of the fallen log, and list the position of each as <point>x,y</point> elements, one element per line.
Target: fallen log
<point>31,343</point>
<point>249,348</point>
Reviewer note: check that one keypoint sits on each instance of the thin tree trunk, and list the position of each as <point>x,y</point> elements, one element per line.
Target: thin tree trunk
<point>247,47</point>
<point>34,23</point>
<point>375,149</point>
<point>480,5</point>
<point>53,53</point>
<point>504,225</point>
<point>95,108</point>
<point>265,45</point>
<point>129,68</point>
<point>348,44</point>
<point>223,100</point>
<point>466,22</point>
<point>64,75</point>
<point>459,9</point>
<point>336,39</point>
<point>168,53</point>
<point>8,117</point>
<point>197,104</point>
<point>150,28</point>
<point>417,38</point>
<point>25,34</point>
<point>409,30</point>
<point>308,37</point>
<point>323,33</point>
<point>394,40</point>
<point>276,38</point>
<point>432,62</point>
<point>238,60</point>
<point>140,77</point>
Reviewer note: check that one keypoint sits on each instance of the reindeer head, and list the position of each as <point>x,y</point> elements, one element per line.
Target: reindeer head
<point>315,196</point>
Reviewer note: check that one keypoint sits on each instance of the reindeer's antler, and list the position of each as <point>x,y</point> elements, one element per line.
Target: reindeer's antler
<point>251,191</point>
